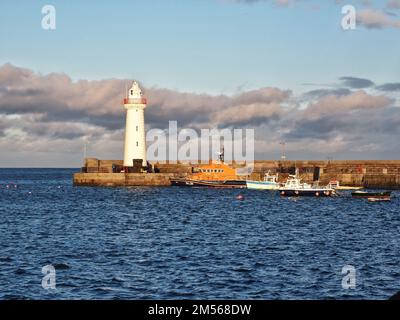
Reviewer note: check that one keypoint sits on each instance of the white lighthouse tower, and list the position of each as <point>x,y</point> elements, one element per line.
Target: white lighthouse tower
<point>135,141</point>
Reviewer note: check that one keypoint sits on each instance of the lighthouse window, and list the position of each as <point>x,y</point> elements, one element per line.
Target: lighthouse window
<point>137,128</point>
<point>137,144</point>
<point>131,92</point>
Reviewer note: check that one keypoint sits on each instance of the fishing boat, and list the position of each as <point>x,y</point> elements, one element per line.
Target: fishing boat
<point>295,188</point>
<point>214,175</point>
<point>384,195</point>
<point>334,184</point>
<point>270,182</point>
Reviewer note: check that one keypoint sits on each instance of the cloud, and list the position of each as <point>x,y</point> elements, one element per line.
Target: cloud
<point>56,97</point>
<point>376,19</point>
<point>49,117</point>
<point>352,116</point>
<point>356,83</point>
<point>369,17</point>
<point>389,87</point>
<point>393,4</point>
<point>359,100</point>
<point>3,126</point>
<point>319,93</point>
<point>253,108</point>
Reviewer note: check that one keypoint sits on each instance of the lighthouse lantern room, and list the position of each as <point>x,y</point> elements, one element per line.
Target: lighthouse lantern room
<point>135,140</point>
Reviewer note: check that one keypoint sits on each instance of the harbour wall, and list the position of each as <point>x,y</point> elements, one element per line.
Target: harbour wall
<point>122,179</point>
<point>366,173</point>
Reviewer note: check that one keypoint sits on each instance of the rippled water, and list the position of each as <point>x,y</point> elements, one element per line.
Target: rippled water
<point>172,243</point>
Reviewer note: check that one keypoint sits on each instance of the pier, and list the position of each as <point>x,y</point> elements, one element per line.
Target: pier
<point>367,173</point>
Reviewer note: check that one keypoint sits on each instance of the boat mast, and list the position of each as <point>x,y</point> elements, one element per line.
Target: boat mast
<point>221,155</point>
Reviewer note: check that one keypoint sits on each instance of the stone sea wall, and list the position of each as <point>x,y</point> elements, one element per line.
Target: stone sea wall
<point>367,173</point>
<point>122,179</point>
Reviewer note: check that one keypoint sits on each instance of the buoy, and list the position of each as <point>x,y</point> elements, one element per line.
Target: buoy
<point>283,193</point>
<point>317,194</point>
<point>240,197</point>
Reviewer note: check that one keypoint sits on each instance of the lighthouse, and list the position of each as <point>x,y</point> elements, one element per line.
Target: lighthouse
<point>135,141</point>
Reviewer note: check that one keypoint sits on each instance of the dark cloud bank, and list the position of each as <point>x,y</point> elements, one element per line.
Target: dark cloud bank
<point>47,118</point>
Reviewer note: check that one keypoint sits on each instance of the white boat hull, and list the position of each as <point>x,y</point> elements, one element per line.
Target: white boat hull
<point>262,185</point>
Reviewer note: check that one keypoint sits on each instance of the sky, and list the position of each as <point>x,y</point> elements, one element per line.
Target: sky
<point>285,68</point>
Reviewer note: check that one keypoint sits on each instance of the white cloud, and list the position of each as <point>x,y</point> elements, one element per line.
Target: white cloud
<point>46,117</point>
<point>393,4</point>
<point>376,19</point>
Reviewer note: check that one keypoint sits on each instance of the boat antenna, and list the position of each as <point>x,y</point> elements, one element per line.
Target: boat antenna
<point>283,151</point>
<point>221,155</point>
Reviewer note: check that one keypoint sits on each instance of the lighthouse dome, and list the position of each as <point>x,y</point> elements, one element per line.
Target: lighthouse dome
<point>135,92</point>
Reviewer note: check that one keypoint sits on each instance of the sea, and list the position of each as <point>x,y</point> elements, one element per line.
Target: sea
<point>59,241</point>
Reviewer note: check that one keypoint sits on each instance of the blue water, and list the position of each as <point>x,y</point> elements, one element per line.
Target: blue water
<point>173,243</point>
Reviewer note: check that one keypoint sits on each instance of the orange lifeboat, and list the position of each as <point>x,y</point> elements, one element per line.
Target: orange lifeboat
<point>217,175</point>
